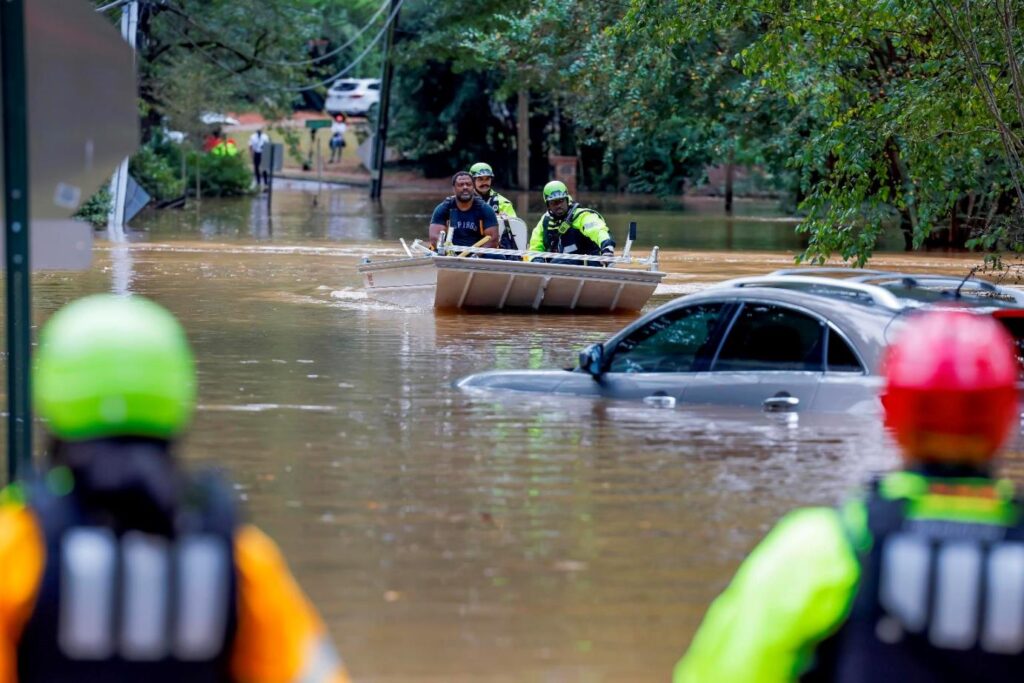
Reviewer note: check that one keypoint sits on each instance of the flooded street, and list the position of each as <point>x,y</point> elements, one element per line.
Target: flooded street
<point>455,537</point>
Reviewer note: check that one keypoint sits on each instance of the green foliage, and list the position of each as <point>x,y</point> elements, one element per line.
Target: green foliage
<point>902,108</point>
<point>219,176</point>
<point>96,208</point>
<point>157,168</point>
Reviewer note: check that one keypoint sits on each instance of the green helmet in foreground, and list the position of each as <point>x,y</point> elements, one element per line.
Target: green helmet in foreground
<point>114,366</point>
<point>481,170</point>
<point>556,189</point>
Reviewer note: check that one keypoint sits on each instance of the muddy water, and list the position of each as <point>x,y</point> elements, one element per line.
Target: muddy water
<point>447,537</point>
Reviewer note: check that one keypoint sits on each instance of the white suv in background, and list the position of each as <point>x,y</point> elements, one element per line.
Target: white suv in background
<point>353,96</point>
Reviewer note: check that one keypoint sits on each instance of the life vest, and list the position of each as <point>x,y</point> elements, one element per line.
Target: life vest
<point>563,237</point>
<point>133,606</point>
<point>939,600</point>
<point>461,236</point>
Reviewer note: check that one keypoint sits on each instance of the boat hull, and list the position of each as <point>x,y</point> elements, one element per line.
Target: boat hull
<point>449,282</point>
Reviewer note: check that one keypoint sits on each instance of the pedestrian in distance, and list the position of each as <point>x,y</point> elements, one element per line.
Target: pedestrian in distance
<point>465,218</point>
<point>337,142</point>
<point>118,565</point>
<point>568,228</point>
<point>258,142</point>
<point>921,576</point>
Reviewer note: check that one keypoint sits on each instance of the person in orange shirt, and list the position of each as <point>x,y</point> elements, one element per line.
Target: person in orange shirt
<point>116,564</point>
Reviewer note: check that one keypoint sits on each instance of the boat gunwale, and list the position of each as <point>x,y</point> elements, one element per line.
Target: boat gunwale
<point>519,267</point>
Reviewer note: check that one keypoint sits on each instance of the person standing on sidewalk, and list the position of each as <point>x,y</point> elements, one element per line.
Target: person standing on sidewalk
<point>257,143</point>
<point>337,143</point>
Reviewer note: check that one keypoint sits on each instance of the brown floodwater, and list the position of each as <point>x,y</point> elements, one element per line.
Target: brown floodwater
<point>454,537</point>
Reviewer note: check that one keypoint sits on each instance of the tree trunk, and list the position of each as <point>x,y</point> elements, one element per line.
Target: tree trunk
<point>523,140</point>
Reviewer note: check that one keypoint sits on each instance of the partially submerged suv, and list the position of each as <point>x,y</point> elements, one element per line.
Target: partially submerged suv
<point>793,340</point>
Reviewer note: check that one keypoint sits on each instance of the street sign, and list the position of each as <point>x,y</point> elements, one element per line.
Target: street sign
<point>273,157</point>
<point>317,124</point>
<point>58,245</point>
<point>83,113</point>
<point>68,97</point>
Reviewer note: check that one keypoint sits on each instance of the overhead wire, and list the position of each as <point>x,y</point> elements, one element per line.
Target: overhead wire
<point>336,50</point>
<point>359,58</point>
<point>112,5</point>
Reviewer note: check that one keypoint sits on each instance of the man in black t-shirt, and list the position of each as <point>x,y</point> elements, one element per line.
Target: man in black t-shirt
<point>464,217</point>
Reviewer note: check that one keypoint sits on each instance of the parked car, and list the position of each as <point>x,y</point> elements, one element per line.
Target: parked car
<point>353,96</point>
<point>794,340</point>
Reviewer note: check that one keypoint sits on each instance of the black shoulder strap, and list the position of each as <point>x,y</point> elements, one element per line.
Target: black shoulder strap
<point>885,515</point>
<point>209,505</point>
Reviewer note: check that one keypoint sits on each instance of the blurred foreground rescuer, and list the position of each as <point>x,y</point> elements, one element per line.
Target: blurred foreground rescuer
<point>118,566</point>
<point>919,579</point>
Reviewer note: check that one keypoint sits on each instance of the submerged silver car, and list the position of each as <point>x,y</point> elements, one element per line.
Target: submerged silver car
<point>793,340</point>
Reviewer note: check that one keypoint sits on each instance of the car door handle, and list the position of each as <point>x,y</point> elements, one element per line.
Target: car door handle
<point>780,403</point>
<point>660,400</point>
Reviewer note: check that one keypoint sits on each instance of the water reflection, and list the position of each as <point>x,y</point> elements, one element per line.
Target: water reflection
<point>300,212</point>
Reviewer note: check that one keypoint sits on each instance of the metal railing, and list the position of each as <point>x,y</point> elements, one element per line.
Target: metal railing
<point>418,248</point>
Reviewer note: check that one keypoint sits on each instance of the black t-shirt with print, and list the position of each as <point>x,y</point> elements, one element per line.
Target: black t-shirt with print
<point>465,227</point>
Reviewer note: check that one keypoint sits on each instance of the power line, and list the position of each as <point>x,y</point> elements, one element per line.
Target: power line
<point>112,5</point>
<point>333,52</point>
<point>362,55</point>
<point>235,72</point>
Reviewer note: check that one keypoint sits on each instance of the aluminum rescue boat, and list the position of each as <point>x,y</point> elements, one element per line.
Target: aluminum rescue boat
<point>457,278</point>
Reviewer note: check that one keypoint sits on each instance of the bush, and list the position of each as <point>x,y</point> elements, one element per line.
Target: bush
<point>220,176</point>
<point>96,208</point>
<point>156,169</point>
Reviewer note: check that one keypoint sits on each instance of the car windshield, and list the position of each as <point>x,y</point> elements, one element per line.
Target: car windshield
<point>344,87</point>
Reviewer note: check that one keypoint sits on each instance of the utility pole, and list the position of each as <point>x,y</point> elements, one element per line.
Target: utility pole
<point>119,182</point>
<point>16,226</point>
<point>523,140</point>
<point>381,139</point>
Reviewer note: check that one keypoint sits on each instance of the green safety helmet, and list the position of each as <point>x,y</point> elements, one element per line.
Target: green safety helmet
<point>481,170</point>
<point>114,366</point>
<point>556,189</point>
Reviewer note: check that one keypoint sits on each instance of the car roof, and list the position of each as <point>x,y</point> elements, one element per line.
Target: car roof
<point>894,290</point>
<point>865,306</point>
<point>356,80</point>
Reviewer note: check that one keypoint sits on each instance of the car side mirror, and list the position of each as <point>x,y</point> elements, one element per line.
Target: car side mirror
<point>592,360</point>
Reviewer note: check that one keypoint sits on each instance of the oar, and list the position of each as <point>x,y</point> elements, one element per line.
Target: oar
<point>481,242</point>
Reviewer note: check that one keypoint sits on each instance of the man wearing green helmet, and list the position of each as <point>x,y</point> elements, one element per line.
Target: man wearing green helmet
<point>483,177</point>
<point>568,228</point>
<point>117,565</point>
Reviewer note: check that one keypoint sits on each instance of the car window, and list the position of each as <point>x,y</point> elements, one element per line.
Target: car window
<point>669,343</point>
<point>344,87</point>
<point>373,86</point>
<point>769,337</point>
<point>841,357</point>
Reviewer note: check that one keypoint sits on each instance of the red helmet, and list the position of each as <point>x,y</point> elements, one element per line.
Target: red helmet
<point>951,387</point>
